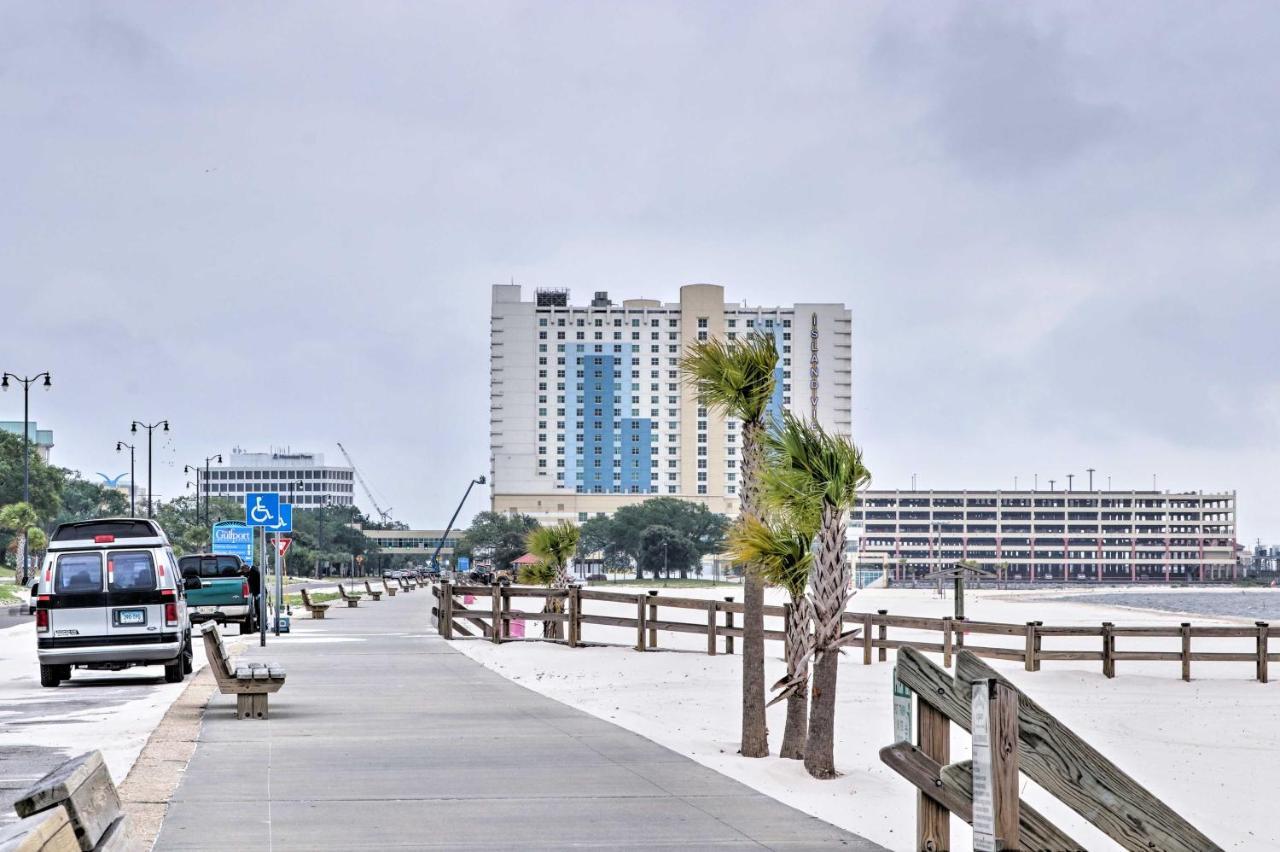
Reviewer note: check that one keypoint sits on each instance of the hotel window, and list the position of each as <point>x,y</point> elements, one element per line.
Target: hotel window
<point>702,489</point>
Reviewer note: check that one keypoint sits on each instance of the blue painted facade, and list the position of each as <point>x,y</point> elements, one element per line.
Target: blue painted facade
<point>609,453</point>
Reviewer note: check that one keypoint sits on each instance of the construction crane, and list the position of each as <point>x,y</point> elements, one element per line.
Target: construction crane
<point>384,514</point>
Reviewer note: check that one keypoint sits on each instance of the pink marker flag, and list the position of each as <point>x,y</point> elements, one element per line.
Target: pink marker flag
<point>468,599</point>
<point>515,628</point>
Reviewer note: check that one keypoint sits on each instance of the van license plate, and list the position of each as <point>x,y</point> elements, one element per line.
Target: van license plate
<point>131,617</point>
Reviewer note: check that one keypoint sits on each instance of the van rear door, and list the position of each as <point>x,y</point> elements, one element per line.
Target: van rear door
<point>135,606</point>
<point>77,598</point>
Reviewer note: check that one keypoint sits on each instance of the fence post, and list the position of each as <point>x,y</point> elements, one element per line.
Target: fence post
<point>946,643</point>
<point>653,616</point>
<point>495,592</point>
<point>446,609</point>
<point>884,634</point>
<point>1186,650</point>
<point>711,628</point>
<point>1263,628</point>
<point>994,709</point>
<point>639,622</point>
<point>933,738</point>
<point>866,639</point>
<point>1039,639</point>
<point>575,612</point>
<point>1108,650</point>
<point>728,622</point>
<point>1029,655</point>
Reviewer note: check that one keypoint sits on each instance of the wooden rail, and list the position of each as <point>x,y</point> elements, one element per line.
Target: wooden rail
<point>1013,735</point>
<point>870,630</point>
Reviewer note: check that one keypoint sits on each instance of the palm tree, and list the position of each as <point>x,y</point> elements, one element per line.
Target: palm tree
<point>782,551</point>
<point>736,378</point>
<point>555,546</point>
<point>821,472</point>
<point>20,518</point>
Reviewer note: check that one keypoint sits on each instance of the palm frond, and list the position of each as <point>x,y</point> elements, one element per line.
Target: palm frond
<point>807,466</point>
<point>780,552</point>
<point>735,377</point>
<point>537,574</point>
<point>554,544</point>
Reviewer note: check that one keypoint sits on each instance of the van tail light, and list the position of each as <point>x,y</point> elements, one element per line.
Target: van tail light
<point>42,621</point>
<point>244,589</point>
<point>171,615</point>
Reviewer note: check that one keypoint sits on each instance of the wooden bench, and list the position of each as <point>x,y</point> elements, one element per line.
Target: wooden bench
<point>75,808</point>
<point>407,583</point>
<point>352,600</point>
<point>250,683</point>
<point>390,589</point>
<point>316,609</point>
<point>377,596</point>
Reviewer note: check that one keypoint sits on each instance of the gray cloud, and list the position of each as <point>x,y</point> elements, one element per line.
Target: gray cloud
<point>1054,223</point>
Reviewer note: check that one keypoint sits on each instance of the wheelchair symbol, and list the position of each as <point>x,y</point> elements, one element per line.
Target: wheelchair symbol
<point>260,514</point>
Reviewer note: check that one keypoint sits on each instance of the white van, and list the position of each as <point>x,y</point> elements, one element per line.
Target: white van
<point>110,596</point>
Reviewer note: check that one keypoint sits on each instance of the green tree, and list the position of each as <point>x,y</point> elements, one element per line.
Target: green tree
<point>818,474</point>
<point>736,378</point>
<point>500,537</point>
<point>663,549</point>
<point>702,527</point>
<point>597,537</point>
<point>46,481</point>
<point>782,550</point>
<point>20,519</point>
<point>555,546</point>
<point>82,500</point>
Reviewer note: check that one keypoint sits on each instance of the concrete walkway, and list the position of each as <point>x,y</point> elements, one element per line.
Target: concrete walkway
<point>384,737</point>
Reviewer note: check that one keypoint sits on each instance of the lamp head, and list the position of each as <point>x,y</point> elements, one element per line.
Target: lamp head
<point>119,446</point>
<point>47,383</point>
<point>186,468</point>
<point>4,385</point>
<point>166,425</point>
<point>134,427</point>
<point>218,458</point>
<point>481,480</point>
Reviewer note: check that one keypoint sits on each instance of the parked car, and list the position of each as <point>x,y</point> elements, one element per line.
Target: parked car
<point>110,596</point>
<point>224,595</point>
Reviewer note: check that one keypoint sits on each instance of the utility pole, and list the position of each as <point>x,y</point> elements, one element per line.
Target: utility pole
<point>1090,470</point>
<point>133,486</point>
<point>1070,480</point>
<point>26,446</point>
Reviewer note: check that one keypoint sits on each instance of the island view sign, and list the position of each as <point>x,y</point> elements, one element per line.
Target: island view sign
<point>234,538</point>
<point>813,367</point>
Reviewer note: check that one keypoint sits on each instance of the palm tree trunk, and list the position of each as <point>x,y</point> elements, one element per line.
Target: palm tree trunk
<point>829,589</point>
<point>551,629</point>
<point>755,731</point>
<point>797,652</point>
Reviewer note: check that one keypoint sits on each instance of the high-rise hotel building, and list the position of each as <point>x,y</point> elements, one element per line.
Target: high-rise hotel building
<point>1053,536</point>
<point>588,411</point>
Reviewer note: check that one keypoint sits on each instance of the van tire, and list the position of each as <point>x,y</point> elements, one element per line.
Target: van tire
<point>188,661</point>
<point>173,672</point>
<point>64,672</point>
<point>49,675</point>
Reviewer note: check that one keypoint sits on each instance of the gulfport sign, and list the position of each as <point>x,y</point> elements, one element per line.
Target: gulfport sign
<point>813,366</point>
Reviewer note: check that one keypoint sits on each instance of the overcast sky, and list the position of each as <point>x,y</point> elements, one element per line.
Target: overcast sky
<point>276,224</point>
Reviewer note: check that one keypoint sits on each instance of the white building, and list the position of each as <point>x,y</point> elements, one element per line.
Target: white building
<point>588,411</point>
<point>304,475</point>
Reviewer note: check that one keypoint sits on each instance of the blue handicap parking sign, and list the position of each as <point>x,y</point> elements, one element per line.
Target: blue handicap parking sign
<point>284,520</point>
<point>261,508</point>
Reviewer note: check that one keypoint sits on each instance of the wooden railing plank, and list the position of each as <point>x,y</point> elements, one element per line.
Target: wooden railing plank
<point>952,787</point>
<point>1053,756</point>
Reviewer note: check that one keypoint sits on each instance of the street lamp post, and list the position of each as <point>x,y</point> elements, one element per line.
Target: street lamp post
<point>150,427</point>
<point>26,440</point>
<point>133,510</point>
<point>436,555</point>
<point>208,515</point>
<point>324,502</point>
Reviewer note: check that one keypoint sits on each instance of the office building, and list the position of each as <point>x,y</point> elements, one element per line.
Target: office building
<point>588,411</point>
<point>304,475</point>
<point>1054,536</point>
<point>41,439</point>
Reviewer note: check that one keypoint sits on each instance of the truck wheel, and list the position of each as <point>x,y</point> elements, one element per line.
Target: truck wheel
<point>188,661</point>
<point>173,672</point>
<point>246,626</point>
<point>49,675</point>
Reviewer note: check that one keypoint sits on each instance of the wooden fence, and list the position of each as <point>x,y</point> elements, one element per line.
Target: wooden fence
<point>870,630</point>
<point>1012,735</point>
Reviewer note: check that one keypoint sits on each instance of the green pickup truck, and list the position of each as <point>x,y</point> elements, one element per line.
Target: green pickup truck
<point>224,594</point>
